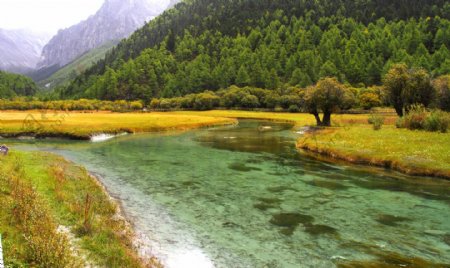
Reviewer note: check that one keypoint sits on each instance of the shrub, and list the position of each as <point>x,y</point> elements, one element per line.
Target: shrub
<point>419,118</point>
<point>136,105</point>
<point>442,87</point>
<point>368,100</point>
<point>164,104</point>
<point>415,118</point>
<point>400,123</point>
<point>154,104</point>
<point>376,120</point>
<point>278,109</point>
<point>437,121</point>
<point>293,109</point>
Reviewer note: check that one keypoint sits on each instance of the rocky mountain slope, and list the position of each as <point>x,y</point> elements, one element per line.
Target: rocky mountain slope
<point>20,50</point>
<point>115,20</point>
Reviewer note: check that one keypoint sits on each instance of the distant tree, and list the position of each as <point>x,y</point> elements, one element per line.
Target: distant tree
<point>442,87</point>
<point>242,79</point>
<point>395,81</point>
<point>206,101</point>
<point>407,87</point>
<point>328,96</point>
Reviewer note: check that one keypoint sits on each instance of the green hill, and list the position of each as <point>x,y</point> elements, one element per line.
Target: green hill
<point>203,44</point>
<point>12,85</point>
<point>77,67</point>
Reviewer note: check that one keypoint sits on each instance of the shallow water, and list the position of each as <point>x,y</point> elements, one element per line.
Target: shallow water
<point>244,197</point>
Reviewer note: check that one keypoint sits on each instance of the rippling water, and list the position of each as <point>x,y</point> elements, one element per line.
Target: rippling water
<point>244,197</point>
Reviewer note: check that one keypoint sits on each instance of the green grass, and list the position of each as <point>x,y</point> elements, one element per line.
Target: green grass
<point>79,65</point>
<point>412,152</point>
<point>72,199</point>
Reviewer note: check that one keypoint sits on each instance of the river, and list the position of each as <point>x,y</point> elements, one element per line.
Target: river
<point>243,196</point>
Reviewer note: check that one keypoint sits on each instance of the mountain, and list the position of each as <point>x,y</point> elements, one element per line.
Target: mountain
<point>208,45</point>
<point>115,20</point>
<point>20,50</point>
<point>76,67</point>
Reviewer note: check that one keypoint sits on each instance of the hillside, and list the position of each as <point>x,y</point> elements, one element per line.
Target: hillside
<point>12,85</point>
<point>201,45</point>
<point>78,66</point>
<point>115,20</point>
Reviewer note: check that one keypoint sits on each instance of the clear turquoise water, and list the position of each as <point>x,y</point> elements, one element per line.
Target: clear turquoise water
<point>244,197</point>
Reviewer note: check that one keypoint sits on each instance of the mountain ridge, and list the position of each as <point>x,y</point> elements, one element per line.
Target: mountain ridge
<point>115,20</point>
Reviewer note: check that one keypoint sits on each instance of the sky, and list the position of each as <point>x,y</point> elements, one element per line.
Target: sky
<point>45,16</point>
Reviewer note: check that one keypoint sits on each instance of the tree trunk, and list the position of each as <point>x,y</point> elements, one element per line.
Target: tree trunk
<point>399,109</point>
<point>316,115</point>
<point>326,121</point>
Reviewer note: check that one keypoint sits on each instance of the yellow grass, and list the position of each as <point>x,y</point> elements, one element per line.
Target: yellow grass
<point>82,125</point>
<point>300,119</point>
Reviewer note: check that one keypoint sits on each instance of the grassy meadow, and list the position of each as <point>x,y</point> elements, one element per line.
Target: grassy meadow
<point>55,215</point>
<point>411,152</point>
<point>83,125</point>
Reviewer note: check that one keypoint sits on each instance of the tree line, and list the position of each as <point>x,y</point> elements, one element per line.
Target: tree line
<point>283,52</point>
<point>12,85</point>
<point>233,17</point>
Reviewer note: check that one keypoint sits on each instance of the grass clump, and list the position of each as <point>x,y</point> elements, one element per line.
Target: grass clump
<point>376,121</point>
<point>419,118</point>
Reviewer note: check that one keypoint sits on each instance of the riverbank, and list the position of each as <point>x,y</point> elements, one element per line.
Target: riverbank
<point>412,152</point>
<point>82,126</point>
<point>353,140</point>
<point>57,215</point>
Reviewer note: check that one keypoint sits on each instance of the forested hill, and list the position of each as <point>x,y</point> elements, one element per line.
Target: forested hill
<point>203,44</point>
<point>12,85</point>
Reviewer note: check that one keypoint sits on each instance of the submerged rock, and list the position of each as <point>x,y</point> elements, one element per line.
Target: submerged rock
<point>242,167</point>
<point>280,189</point>
<point>267,203</point>
<point>290,219</point>
<point>320,229</point>
<point>447,239</point>
<point>263,206</point>
<point>390,220</point>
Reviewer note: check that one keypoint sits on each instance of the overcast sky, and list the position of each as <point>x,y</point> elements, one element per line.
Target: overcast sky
<point>45,15</point>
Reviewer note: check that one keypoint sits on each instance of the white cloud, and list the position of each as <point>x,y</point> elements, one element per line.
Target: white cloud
<point>45,15</point>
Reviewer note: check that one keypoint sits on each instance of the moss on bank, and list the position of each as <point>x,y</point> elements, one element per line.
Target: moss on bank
<point>412,152</point>
<point>55,215</point>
